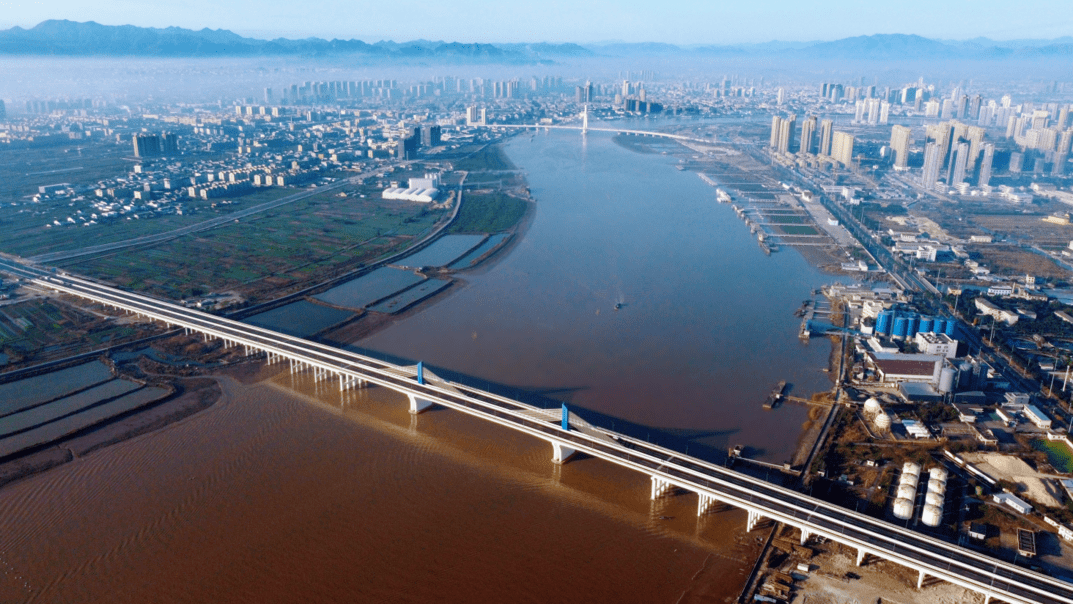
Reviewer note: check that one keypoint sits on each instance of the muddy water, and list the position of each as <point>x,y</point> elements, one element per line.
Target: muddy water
<point>285,492</point>
<point>706,327</point>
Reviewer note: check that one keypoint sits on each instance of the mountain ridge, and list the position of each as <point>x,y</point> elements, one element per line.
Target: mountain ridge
<point>72,38</point>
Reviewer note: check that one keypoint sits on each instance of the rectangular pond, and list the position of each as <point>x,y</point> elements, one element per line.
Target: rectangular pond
<point>370,289</point>
<point>443,251</point>
<point>43,414</point>
<point>489,244</point>
<point>410,297</point>
<point>300,319</point>
<point>22,394</point>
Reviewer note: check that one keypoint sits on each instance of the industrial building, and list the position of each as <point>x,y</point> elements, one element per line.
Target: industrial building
<point>424,190</point>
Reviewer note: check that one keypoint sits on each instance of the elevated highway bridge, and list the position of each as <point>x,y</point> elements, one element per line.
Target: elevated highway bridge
<point>668,470</point>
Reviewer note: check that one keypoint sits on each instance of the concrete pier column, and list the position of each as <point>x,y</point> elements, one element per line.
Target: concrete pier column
<point>805,534</point>
<point>704,502</point>
<point>417,405</point>
<point>660,487</point>
<point>754,519</point>
<point>560,452</point>
<point>861,555</point>
<point>920,579</point>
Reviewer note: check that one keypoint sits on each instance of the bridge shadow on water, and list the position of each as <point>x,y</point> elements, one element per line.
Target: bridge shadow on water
<point>709,445</point>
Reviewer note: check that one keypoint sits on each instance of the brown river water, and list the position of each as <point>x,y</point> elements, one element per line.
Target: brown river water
<point>285,493</point>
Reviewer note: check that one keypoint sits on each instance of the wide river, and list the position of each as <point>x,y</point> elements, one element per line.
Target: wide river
<point>285,492</point>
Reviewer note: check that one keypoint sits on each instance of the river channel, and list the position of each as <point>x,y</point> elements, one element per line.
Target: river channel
<point>287,491</point>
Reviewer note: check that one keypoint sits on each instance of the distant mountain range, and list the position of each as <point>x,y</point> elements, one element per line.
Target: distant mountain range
<point>70,38</point>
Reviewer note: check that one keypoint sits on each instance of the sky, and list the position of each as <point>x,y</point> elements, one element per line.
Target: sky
<point>581,21</point>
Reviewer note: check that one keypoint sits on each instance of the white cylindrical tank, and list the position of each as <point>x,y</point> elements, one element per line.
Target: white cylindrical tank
<point>911,468</point>
<point>911,479</point>
<point>934,498</point>
<point>882,421</point>
<point>939,473</point>
<point>903,508</point>
<point>932,515</point>
<point>946,380</point>
<point>937,485</point>
<point>871,406</point>
<point>906,491</point>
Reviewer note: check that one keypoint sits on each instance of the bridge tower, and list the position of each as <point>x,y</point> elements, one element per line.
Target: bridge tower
<point>585,120</point>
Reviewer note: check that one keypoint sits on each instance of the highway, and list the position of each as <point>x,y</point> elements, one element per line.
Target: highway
<point>927,555</point>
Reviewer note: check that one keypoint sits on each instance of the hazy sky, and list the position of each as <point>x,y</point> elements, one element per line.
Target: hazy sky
<point>675,21</point>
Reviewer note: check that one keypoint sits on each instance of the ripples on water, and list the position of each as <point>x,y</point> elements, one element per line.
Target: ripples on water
<point>276,495</point>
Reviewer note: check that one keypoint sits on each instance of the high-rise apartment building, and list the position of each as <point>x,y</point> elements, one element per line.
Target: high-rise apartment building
<point>932,162</point>
<point>961,162</point>
<point>842,148</point>
<point>985,165</point>
<point>900,137</point>
<point>808,134</point>
<point>146,145</point>
<point>826,131</point>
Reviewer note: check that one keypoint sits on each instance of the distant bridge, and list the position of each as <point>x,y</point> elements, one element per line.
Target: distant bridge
<point>668,470</point>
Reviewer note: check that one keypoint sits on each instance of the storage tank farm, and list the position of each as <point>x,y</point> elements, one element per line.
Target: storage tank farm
<point>907,491</point>
<point>907,325</point>
<point>936,495</point>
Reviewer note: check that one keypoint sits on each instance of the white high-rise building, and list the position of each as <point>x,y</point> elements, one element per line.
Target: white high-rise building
<point>900,137</point>
<point>842,148</point>
<point>961,162</point>
<point>985,165</point>
<point>932,163</point>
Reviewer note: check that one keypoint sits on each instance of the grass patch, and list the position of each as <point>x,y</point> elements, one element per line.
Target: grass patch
<point>1058,453</point>
<point>488,213</point>
<point>490,158</point>
<point>798,230</point>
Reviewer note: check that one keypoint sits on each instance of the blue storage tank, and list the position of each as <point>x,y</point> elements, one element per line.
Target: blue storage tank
<point>927,324</point>
<point>911,330</point>
<point>951,327</point>
<point>901,326</point>
<point>883,322</point>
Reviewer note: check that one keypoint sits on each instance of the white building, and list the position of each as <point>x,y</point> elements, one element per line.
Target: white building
<point>1037,416</point>
<point>987,308</point>
<point>1013,501</point>
<point>937,344</point>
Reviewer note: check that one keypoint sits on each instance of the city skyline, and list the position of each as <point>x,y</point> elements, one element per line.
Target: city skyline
<point>586,22</point>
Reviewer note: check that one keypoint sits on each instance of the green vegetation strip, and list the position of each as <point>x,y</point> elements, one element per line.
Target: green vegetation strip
<point>488,213</point>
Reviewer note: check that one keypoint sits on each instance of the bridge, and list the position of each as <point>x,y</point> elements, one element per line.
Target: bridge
<point>669,471</point>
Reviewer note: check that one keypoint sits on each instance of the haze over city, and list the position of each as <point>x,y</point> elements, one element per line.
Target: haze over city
<point>581,21</point>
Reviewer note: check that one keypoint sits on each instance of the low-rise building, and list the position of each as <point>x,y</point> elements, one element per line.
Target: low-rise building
<point>1012,501</point>
<point>938,344</point>
<point>1037,417</point>
<point>986,307</point>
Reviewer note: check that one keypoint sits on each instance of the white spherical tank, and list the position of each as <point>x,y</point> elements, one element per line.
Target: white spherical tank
<point>871,406</point>
<point>882,421</point>
<point>903,508</point>
<point>933,498</point>
<point>932,515</point>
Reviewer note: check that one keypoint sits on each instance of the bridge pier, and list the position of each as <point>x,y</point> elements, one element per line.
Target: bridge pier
<point>660,487</point>
<point>805,534</point>
<point>861,555</point>
<point>704,502</point>
<point>754,519</point>
<point>920,579</point>
<point>417,405</point>
<point>560,452</point>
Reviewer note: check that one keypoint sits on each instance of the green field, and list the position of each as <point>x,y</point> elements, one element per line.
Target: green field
<point>1058,453</point>
<point>490,158</point>
<point>488,213</point>
<point>287,246</point>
